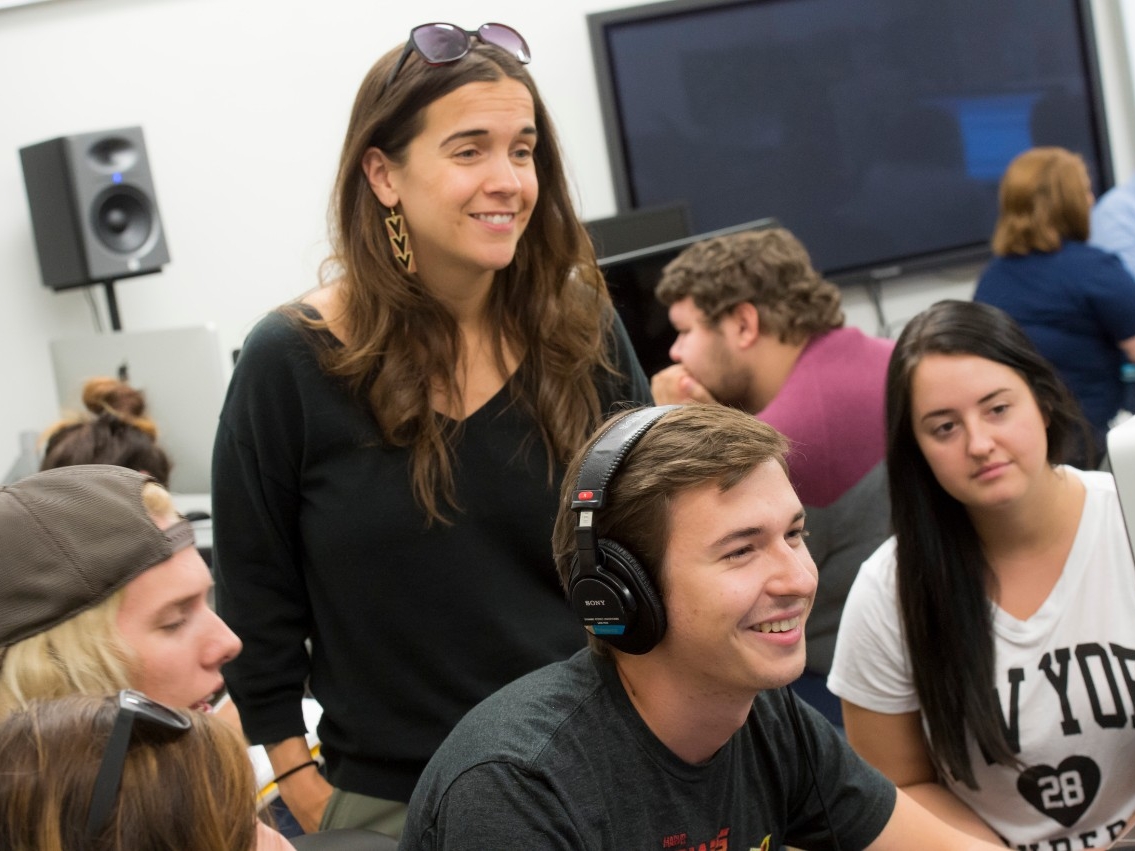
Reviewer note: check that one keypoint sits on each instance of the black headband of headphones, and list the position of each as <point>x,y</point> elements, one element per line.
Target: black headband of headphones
<point>596,472</point>
<point>611,594</point>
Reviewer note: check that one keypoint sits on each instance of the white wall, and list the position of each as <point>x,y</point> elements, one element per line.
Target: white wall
<point>243,103</point>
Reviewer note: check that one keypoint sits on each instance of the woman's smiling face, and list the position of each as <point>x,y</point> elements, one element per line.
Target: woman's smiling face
<point>467,185</point>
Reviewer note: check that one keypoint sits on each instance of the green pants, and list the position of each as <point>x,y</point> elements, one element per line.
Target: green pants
<point>348,809</point>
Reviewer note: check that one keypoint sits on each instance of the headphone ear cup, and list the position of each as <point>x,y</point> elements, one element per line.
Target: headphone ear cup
<point>650,616</point>
<point>600,599</point>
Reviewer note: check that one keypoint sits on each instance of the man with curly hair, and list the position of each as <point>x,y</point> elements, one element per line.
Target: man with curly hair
<point>760,329</point>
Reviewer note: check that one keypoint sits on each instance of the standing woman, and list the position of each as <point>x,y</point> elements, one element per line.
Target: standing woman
<point>1075,302</point>
<point>985,654</point>
<point>389,455</point>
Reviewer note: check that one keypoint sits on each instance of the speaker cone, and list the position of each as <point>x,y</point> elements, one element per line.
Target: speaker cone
<point>123,219</point>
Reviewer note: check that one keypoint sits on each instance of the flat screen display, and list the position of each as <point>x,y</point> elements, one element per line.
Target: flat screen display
<point>875,130</point>
<point>181,371</point>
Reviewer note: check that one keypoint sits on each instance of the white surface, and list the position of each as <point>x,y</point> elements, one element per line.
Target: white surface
<point>202,529</point>
<point>1121,456</point>
<point>180,370</point>
<point>265,777</point>
<point>27,459</point>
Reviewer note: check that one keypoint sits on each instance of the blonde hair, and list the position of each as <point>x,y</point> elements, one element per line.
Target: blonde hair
<point>158,503</point>
<point>192,790</point>
<point>1044,201</point>
<point>83,655</point>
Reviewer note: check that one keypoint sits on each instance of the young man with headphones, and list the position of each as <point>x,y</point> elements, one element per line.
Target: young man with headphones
<point>681,545</point>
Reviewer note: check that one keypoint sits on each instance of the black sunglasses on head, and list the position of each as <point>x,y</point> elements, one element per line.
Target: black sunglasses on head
<point>132,706</point>
<point>440,44</point>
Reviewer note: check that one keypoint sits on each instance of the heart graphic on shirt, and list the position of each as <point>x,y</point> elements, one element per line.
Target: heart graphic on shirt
<point>1062,793</point>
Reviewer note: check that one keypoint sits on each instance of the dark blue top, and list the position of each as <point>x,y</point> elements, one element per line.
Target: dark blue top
<point>1076,304</point>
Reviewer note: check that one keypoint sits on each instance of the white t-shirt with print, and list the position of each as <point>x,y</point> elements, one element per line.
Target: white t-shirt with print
<point>1065,679</point>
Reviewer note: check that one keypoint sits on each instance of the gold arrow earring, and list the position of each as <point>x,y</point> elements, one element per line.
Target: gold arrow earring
<point>399,240</point>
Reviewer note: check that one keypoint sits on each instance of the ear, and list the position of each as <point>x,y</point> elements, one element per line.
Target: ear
<point>748,323</point>
<point>379,174</point>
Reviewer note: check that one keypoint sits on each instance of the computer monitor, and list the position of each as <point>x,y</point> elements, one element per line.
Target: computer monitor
<point>1121,459</point>
<point>641,228</point>
<point>181,371</point>
<point>875,130</point>
<point>632,277</point>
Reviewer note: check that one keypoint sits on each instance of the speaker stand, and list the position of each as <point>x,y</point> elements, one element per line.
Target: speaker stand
<point>112,306</point>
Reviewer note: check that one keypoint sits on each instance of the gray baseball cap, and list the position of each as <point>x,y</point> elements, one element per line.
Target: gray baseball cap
<point>71,537</point>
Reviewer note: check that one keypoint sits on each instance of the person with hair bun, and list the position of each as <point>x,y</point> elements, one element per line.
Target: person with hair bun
<point>388,456</point>
<point>1076,302</point>
<point>116,431</point>
<point>184,783</point>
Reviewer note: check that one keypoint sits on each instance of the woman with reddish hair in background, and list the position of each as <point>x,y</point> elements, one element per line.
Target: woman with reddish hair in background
<point>1075,302</point>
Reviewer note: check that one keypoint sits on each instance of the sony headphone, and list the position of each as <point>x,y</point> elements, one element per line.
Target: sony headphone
<point>610,592</point>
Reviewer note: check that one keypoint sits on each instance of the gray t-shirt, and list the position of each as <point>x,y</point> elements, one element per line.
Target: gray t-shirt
<point>560,759</point>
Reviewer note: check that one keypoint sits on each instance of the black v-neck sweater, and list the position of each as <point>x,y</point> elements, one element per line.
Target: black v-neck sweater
<point>317,536</point>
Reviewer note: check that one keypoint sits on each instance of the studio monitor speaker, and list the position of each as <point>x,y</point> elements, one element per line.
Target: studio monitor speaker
<point>93,208</point>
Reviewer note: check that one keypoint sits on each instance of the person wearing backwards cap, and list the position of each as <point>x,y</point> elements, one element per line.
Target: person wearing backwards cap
<point>103,591</point>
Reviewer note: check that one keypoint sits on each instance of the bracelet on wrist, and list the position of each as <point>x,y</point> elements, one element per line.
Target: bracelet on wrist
<point>294,769</point>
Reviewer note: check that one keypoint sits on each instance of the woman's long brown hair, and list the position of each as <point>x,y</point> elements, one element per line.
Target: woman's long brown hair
<point>551,303</point>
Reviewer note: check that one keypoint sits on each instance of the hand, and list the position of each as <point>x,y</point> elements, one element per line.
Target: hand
<point>306,793</point>
<point>675,386</point>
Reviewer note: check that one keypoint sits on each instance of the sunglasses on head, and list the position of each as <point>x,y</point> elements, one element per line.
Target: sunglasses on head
<point>440,44</point>
<point>133,707</point>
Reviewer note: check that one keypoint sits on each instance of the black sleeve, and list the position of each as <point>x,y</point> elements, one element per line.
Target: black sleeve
<point>630,388</point>
<point>260,591</point>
